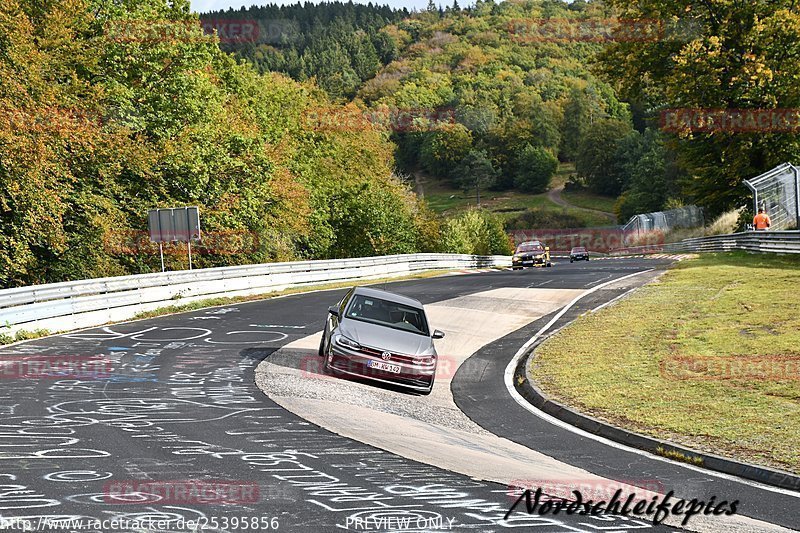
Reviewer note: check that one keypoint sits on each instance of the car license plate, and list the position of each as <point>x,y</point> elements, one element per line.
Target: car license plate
<point>386,367</point>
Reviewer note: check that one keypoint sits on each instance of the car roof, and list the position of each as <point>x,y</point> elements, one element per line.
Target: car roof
<point>389,296</point>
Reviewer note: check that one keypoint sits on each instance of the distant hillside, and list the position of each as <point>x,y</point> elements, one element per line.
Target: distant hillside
<point>509,100</point>
<point>340,44</point>
<point>492,96</point>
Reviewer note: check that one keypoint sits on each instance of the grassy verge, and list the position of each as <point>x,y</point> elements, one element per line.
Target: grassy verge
<point>589,200</point>
<point>563,172</point>
<point>22,335</point>
<point>444,199</point>
<point>707,356</point>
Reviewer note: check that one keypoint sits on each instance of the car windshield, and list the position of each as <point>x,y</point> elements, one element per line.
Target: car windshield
<point>579,249</point>
<point>530,248</point>
<point>385,313</point>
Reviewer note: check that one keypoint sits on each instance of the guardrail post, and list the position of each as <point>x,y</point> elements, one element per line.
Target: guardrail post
<point>796,197</point>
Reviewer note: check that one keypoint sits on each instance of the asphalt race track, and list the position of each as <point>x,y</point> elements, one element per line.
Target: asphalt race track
<point>177,403</point>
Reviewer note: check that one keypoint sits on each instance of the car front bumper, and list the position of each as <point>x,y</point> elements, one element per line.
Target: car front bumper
<point>417,377</point>
<point>528,261</point>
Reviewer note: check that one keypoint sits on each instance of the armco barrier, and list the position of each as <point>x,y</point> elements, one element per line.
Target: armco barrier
<point>87,303</point>
<point>782,242</point>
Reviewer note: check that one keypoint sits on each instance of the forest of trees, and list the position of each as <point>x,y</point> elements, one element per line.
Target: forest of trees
<point>339,45</point>
<point>725,55</point>
<point>103,117</point>
<point>519,103</point>
<point>111,107</point>
<point>505,108</point>
<point>514,101</point>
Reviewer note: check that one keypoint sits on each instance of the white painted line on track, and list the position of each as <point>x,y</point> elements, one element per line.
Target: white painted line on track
<point>598,282</point>
<point>509,382</point>
<point>542,284</point>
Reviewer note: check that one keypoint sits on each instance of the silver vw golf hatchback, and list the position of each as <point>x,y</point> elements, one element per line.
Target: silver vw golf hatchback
<point>380,336</point>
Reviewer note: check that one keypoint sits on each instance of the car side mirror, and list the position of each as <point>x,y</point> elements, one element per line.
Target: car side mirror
<point>334,310</point>
<point>437,334</point>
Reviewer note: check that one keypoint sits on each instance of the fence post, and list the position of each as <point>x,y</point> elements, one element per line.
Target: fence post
<point>796,197</point>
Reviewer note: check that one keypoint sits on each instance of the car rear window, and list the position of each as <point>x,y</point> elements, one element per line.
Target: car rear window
<point>385,313</point>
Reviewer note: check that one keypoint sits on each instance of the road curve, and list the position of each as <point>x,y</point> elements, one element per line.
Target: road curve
<point>176,404</point>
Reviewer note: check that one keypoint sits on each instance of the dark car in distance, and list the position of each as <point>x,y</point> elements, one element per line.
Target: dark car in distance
<point>380,336</point>
<point>579,253</point>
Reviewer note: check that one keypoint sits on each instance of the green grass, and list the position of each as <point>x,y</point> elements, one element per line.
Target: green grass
<point>589,200</point>
<point>22,335</point>
<point>679,456</point>
<point>446,200</point>
<point>563,172</point>
<point>657,362</point>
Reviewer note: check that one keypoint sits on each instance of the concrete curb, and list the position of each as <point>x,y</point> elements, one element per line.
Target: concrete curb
<point>534,395</point>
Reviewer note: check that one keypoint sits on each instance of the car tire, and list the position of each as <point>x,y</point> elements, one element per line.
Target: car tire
<point>516,268</point>
<point>549,264</point>
<point>570,260</point>
<point>321,349</point>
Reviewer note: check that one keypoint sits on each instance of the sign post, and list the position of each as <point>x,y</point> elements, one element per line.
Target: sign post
<point>178,224</point>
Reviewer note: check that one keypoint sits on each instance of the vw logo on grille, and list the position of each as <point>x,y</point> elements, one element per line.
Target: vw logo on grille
<point>386,356</point>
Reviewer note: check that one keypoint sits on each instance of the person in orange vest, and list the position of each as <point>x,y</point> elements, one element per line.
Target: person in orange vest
<point>761,220</point>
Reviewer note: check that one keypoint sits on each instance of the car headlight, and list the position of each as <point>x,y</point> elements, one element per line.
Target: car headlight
<point>539,256</point>
<point>516,257</point>
<point>425,360</point>
<point>346,342</point>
